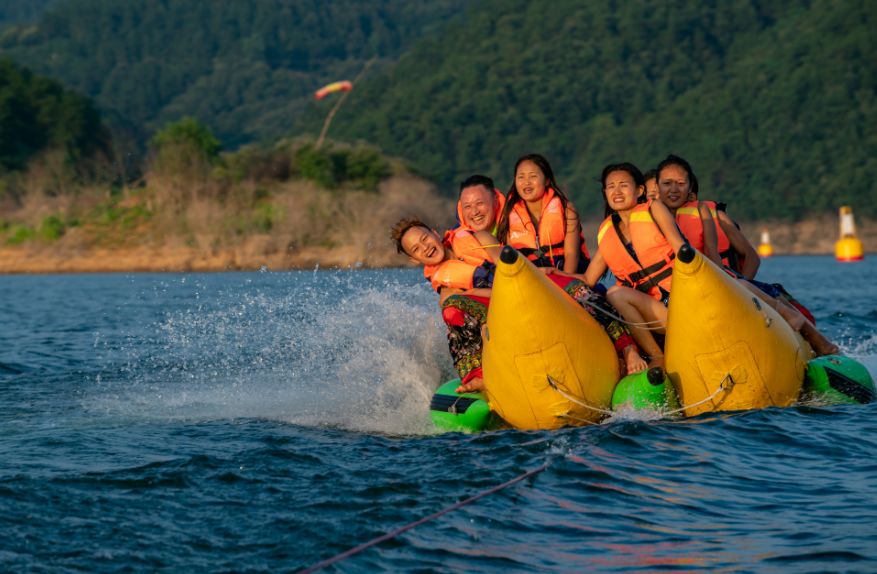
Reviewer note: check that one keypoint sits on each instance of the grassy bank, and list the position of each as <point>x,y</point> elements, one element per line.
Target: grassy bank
<point>309,227</point>
<point>286,207</point>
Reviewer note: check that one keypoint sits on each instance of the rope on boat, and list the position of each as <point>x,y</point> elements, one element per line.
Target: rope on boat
<point>555,384</point>
<point>645,325</point>
<point>409,526</point>
<point>725,386</point>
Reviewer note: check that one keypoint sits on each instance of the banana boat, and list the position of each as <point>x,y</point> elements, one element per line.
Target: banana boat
<point>726,349</point>
<point>547,363</point>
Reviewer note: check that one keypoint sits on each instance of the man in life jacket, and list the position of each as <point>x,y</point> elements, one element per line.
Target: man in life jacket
<point>464,293</point>
<point>478,210</point>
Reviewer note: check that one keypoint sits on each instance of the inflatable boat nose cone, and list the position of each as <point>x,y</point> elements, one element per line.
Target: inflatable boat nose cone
<point>686,253</point>
<point>508,255</point>
<point>655,376</point>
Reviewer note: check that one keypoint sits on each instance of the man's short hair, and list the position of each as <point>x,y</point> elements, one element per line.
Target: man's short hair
<point>477,180</point>
<point>401,227</point>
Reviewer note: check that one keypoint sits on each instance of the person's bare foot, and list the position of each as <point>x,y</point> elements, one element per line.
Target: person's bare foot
<point>820,343</point>
<point>476,385</point>
<point>633,362</point>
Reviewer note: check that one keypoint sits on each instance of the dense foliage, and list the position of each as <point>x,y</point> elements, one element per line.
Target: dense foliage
<point>15,11</point>
<point>772,102</point>
<point>246,69</point>
<point>38,114</point>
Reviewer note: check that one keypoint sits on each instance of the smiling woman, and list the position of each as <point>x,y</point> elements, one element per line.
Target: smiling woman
<point>539,221</point>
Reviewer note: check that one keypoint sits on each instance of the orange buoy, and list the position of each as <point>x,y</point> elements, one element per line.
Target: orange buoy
<point>765,249</point>
<point>849,247</point>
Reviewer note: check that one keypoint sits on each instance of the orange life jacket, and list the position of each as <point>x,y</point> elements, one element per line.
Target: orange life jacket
<point>652,269</point>
<point>690,224</point>
<point>726,251</point>
<point>499,200</point>
<point>450,273</point>
<point>467,247</point>
<point>549,240</point>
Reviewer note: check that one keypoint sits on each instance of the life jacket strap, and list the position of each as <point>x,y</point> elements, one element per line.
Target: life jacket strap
<point>646,272</point>
<point>654,281</point>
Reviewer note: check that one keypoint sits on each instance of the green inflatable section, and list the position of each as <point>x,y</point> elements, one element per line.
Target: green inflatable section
<point>646,390</point>
<point>839,380</point>
<point>466,412</point>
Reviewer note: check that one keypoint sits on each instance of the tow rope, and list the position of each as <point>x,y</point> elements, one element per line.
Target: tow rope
<point>400,530</point>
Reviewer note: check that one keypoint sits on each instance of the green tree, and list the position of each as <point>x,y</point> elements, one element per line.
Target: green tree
<point>185,148</point>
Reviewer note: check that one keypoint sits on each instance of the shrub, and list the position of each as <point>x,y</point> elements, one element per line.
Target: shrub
<point>185,148</point>
<point>18,234</point>
<point>52,228</point>
<point>360,167</point>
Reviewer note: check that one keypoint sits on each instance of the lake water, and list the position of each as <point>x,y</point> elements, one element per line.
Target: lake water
<point>263,422</point>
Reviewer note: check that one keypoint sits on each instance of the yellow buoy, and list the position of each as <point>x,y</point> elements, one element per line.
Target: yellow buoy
<point>726,349</point>
<point>848,247</point>
<point>765,249</point>
<point>543,354</point>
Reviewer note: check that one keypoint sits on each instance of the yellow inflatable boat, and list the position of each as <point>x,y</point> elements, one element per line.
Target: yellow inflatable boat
<point>547,363</point>
<point>726,349</point>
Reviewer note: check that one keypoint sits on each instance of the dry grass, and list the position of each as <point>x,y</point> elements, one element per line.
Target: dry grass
<point>207,225</point>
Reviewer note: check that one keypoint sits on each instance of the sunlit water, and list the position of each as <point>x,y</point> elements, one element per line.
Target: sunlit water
<point>264,422</point>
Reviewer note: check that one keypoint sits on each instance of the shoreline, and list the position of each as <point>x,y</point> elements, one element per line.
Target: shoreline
<point>810,237</point>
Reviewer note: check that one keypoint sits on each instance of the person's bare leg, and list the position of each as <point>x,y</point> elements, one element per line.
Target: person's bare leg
<point>820,343</point>
<point>797,321</point>
<point>793,317</point>
<point>637,309</point>
<point>633,363</point>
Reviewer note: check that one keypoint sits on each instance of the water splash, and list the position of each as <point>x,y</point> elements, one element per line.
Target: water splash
<point>339,349</point>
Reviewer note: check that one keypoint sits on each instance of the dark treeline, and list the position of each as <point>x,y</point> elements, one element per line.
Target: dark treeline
<point>772,101</point>
<point>246,69</point>
<point>16,11</point>
<point>40,115</point>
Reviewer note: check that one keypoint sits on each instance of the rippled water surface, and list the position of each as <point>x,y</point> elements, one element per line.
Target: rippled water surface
<point>267,421</point>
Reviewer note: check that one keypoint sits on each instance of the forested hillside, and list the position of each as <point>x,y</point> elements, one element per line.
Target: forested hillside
<point>772,102</point>
<point>245,68</point>
<point>38,115</point>
<point>16,11</point>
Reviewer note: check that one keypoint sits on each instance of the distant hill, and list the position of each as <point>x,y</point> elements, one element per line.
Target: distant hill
<point>39,115</point>
<point>772,101</point>
<point>18,11</point>
<point>245,68</point>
